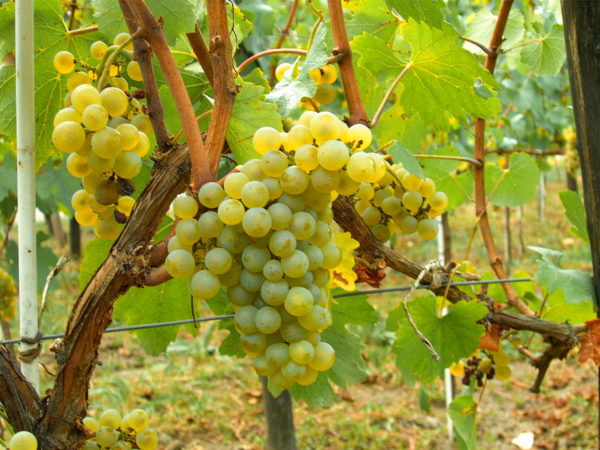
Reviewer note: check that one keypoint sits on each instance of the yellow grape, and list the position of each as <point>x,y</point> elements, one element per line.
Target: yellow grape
<point>359,136</point>
<point>127,164</point>
<point>97,49</point>
<point>266,139</point>
<point>412,200</point>
<point>297,136</point>
<point>64,62</point>
<point>129,136</point>
<point>86,217</point>
<point>361,167</point>
<point>23,440</point>
<point>502,372</point>
<point>184,206</point>
<point>143,146</point>
<point>125,204</point>
<point>180,264</point>
<point>143,123</point>
<point>110,418</point>
<point>325,94</point>
<point>411,182</point>
<point>100,165</point>
<point>107,229</point>
<point>77,79</point>
<point>114,100</point>
<point>457,369</point>
<point>407,224</point>
<point>106,143</point>
<point>333,155</point>
<point>281,70</point>
<point>325,127</point>
<point>328,74</point>
<point>121,38</point>
<point>134,72</point>
<point>439,201</point>
<point>80,200</point>
<point>308,378</point>
<point>147,439</point>
<point>94,117</point>
<point>427,228</point>
<point>306,117</point>
<point>324,357</point>
<point>91,424</point>
<point>68,136</point>
<point>120,83</point>
<point>69,114</point>
<point>84,95</point>
<point>315,74</point>
<point>78,165</point>
<point>427,188</point>
<point>306,157</point>
<point>346,185</point>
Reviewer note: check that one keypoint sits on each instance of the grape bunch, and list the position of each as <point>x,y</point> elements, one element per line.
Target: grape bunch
<point>106,133</point>
<point>8,294</point>
<point>401,201</point>
<point>494,364</point>
<point>111,431</point>
<point>324,77</point>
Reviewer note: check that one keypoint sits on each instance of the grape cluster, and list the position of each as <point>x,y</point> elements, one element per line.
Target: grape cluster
<point>111,431</point>
<point>401,201</point>
<point>489,366</point>
<point>8,293</point>
<point>106,134</point>
<point>324,77</point>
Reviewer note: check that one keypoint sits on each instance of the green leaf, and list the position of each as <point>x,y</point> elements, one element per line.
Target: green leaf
<point>372,17</point>
<point>428,11</point>
<point>575,212</point>
<point>317,395</point>
<point>514,186</point>
<point>288,92</point>
<point>376,57</point>
<point>410,131</point>
<point>94,253</point>
<point>231,345</point>
<point>250,112</point>
<point>442,77</point>
<point>559,310</point>
<point>402,155</point>
<point>458,187</point>
<point>462,412</point>
<point>547,54</point>
<point>164,303</point>
<point>453,336</point>
<point>354,309</point>
<point>481,25</point>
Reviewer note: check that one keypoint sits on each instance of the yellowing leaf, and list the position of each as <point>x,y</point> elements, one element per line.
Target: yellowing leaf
<point>343,275</point>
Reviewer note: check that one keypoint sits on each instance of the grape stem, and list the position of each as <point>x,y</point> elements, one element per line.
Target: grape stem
<point>450,157</point>
<point>109,56</point>
<point>387,96</point>
<point>81,31</point>
<point>486,50</point>
<point>284,33</point>
<point>201,51</point>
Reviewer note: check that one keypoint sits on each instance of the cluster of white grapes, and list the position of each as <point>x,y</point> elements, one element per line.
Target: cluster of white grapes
<point>400,201</point>
<point>106,135</point>
<point>111,431</point>
<point>324,77</point>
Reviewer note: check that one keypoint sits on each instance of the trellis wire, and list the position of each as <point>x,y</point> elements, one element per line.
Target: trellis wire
<point>230,316</point>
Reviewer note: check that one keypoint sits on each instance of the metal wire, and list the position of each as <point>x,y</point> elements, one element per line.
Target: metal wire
<point>230,316</point>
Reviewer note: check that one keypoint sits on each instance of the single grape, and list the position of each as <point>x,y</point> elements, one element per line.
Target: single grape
<point>125,204</point>
<point>295,265</point>
<point>381,232</point>
<point>244,320</point>
<point>64,62</point>
<point>301,352</point>
<point>407,224</point>
<point>427,228</point>
<point>439,201</point>
<point>317,319</point>
<point>147,439</point>
<point>77,79</point>
<point>293,370</point>
<point>143,123</point>
<point>381,195</point>
<point>325,94</point>
<point>294,202</point>
<point>91,424</point>
<point>324,126</point>
<point>68,136</point>
<point>266,139</point>
<point>69,114</point>
<point>115,101</point>
<point>294,181</point>
<point>120,83</point>
<point>110,418</point>
<point>411,182</point>
<point>83,96</point>
<point>143,145</point>
<point>359,137</point>
<point>218,260</point>
<point>324,357</point>
<point>324,181</point>
<point>281,70</point>
<point>180,264</point>
<point>106,143</point>
<point>315,74</point>
<point>267,320</point>
<point>303,226</point>
<point>188,231</point>
<point>134,71</point>
<point>371,216</point>
<point>391,205</point>
<point>251,281</point>
<point>97,49</point>
<point>127,165</point>
<point>361,167</point>
<point>103,166</point>
<point>263,368</point>
<point>256,222</point>
<point>253,170</point>
<point>255,194</point>
<point>231,212</point>
<point>78,165</point>
<point>107,192</point>
<point>306,157</point>
<point>332,256</point>
<point>298,301</point>
<point>184,206</point>
<point>273,163</point>
<point>106,436</point>
<point>255,344</point>
<point>282,243</point>
<point>346,185</point>
<point>274,187</point>
<point>328,74</point>
<point>231,238</point>
<point>297,137</point>
<point>427,188</point>
<point>23,440</point>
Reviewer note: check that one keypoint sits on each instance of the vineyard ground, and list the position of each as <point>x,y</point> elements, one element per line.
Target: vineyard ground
<point>200,400</point>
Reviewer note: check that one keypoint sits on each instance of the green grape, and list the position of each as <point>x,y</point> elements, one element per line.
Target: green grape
<point>218,260</point>
<point>129,135</point>
<point>254,258</point>
<point>263,368</point>
<point>244,320</point>
<point>411,182</point>
<point>321,277</point>
<point>255,194</point>
<point>185,207</point>
<point>274,187</point>
<point>317,319</point>
<point>255,344</point>
<point>381,232</point>
<point>143,145</point>
<point>106,436</point>
<point>277,354</point>
<point>273,163</point>
<point>391,205</point>
<point>309,377</point>
<point>282,382</point>
<point>266,139</point>
<point>282,243</point>
<point>346,185</point>
<point>234,183</point>
<point>306,157</point>
<point>371,216</point>
<point>110,418</point>
<point>23,440</point>
<point>303,281</point>
<point>180,264</point>
<point>89,445</point>
<point>239,296</point>
<point>301,352</point>
<point>77,79</point>
<point>427,188</point>
<point>291,331</point>
<point>361,167</point>
<point>232,276</point>
<point>294,202</point>
<point>439,201</point>
<point>281,216</point>
<point>281,70</point>
<point>297,137</point>
<point>69,114</point>
<point>251,281</point>
<point>298,301</point>
<point>78,165</point>
<point>106,143</point>
<point>147,439</point>
<point>293,370</point>
<point>324,181</point>
<point>407,224</point>
<point>322,234</point>
<point>115,101</point>
<point>127,165</point>
<point>294,181</point>
<point>64,62</point>
<point>97,50</point>
<point>256,222</point>
<point>231,212</point>
<point>253,170</point>
<point>381,195</point>
<point>231,238</point>
<point>315,200</point>
<point>324,126</point>
<point>295,265</point>
<point>134,71</point>
<point>274,292</point>
<point>188,231</point>
<point>68,136</point>
<point>99,165</point>
<point>121,445</point>
<point>324,357</point>
<point>412,200</point>
<point>332,256</point>
<point>143,123</point>
<point>361,206</point>
<point>211,194</point>
<point>333,155</point>
<point>91,182</point>
<point>303,225</point>
<point>268,320</point>
<point>359,137</point>
<point>315,257</point>
<point>325,94</point>
<point>80,200</point>
<point>210,225</point>
<point>272,270</point>
<point>427,228</point>
<point>83,96</point>
<point>91,424</point>
<point>175,244</point>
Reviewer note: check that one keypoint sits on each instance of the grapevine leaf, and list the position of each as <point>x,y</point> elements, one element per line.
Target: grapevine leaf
<point>289,91</point>
<point>162,303</point>
<point>376,57</point>
<point>7,31</point>
<point>458,187</point>
<point>559,310</point>
<point>547,54</point>
<point>250,112</point>
<point>410,131</point>
<point>372,17</point>
<point>575,212</point>
<point>231,345</point>
<point>442,77</point>
<point>220,303</point>
<point>462,412</point>
<point>513,186</point>
<point>94,253</point>
<point>402,155</point>
<point>481,25</point>
<point>428,11</point>
<point>453,336</point>
<point>317,395</point>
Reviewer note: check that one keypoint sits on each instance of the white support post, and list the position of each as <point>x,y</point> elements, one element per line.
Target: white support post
<point>26,225</point>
